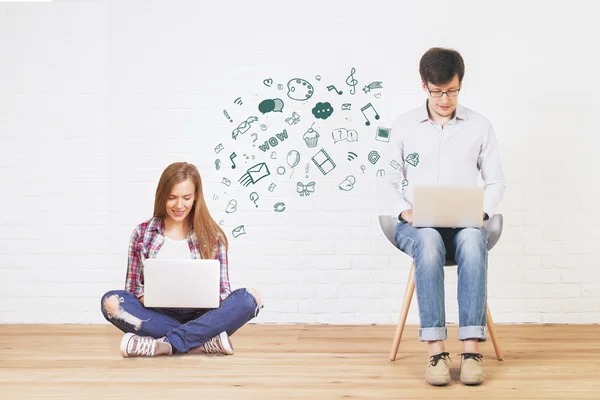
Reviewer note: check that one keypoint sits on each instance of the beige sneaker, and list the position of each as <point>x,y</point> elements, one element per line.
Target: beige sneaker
<point>471,369</point>
<point>438,372</point>
<point>220,344</point>
<point>144,346</point>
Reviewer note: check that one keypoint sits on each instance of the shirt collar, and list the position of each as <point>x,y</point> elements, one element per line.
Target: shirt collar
<point>421,114</point>
<point>158,224</point>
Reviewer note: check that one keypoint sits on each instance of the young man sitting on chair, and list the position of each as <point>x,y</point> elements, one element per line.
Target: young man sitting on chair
<point>442,142</point>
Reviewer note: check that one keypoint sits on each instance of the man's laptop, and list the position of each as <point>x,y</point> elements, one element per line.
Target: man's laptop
<point>181,283</point>
<point>447,206</point>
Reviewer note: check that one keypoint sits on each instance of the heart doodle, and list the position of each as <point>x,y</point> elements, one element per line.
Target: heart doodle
<point>268,82</point>
<point>378,95</point>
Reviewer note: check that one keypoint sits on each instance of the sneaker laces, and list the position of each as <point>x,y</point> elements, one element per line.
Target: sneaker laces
<point>476,356</point>
<point>145,346</point>
<point>213,346</point>
<point>437,357</point>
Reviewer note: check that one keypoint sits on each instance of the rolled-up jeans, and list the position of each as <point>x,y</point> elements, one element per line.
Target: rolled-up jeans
<point>431,249</point>
<point>184,328</point>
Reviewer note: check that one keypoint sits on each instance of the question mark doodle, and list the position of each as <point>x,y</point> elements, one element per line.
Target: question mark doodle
<point>255,136</point>
<point>254,198</point>
<point>404,183</point>
<point>363,168</point>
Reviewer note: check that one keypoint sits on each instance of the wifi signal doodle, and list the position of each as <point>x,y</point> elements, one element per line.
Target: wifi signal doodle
<point>239,101</point>
<point>373,157</point>
<point>352,156</point>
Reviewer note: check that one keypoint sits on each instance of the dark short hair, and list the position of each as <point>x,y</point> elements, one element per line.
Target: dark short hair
<point>439,65</point>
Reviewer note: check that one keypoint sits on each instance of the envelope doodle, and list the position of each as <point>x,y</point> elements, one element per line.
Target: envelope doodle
<point>243,127</point>
<point>239,231</point>
<point>254,174</point>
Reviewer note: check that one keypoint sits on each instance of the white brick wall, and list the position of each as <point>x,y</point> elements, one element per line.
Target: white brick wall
<point>97,97</point>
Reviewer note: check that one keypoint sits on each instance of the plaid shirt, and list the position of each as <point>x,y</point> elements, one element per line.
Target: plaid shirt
<point>147,239</point>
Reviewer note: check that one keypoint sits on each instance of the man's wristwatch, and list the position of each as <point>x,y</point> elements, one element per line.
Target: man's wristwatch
<point>400,218</point>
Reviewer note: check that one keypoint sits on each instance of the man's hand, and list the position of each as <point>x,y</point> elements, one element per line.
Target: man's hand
<point>407,216</point>
<point>142,299</point>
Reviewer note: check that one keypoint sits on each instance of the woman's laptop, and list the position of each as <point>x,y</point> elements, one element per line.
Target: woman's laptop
<point>181,283</point>
<point>447,206</point>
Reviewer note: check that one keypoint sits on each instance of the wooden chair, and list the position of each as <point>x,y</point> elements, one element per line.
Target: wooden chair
<point>388,227</point>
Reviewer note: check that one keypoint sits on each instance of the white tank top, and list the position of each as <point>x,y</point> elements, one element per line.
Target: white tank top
<point>174,249</point>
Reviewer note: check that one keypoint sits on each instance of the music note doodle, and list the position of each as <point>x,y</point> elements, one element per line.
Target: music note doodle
<point>350,81</point>
<point>363,112</point>
<point>332,87</point>
<point>231,157</point>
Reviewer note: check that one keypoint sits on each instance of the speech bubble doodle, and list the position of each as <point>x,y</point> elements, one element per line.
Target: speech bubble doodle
<point>349,135</point>
<point>269,105</point>
<point>322,110</point>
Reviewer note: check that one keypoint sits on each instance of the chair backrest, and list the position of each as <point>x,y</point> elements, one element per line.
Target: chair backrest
<point>493,226</point>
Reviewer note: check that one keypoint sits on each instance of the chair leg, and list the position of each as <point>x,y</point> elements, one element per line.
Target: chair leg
<point>408,293</point>
<point>492,329</point>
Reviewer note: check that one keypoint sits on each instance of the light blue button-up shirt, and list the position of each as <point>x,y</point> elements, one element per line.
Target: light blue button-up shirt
<point>421,152</point>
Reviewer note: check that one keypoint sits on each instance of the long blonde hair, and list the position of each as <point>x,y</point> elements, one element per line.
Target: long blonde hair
<point>208,232</point>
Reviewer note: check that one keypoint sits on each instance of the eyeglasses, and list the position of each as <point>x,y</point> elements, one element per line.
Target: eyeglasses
<point>438,93</point>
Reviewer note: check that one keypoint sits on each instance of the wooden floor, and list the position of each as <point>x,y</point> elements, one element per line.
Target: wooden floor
<point>295,362</point>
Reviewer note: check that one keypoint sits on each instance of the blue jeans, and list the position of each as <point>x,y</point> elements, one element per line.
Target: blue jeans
<point>431,249</point>
<point>184,328</point>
